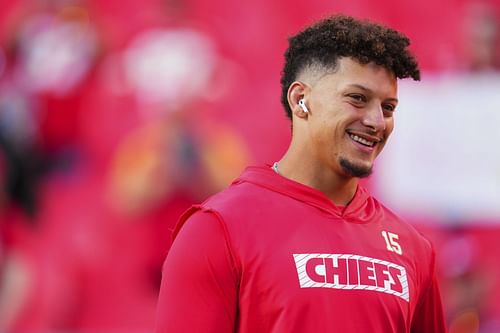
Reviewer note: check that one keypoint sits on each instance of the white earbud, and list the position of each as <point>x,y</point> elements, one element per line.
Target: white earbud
<point>303,105</point>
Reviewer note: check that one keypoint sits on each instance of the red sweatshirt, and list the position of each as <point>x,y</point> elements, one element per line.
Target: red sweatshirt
<point>272,255</point>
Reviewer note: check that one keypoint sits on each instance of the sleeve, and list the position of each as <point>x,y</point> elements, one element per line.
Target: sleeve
<point>199,283</point>
<point>429,317</point>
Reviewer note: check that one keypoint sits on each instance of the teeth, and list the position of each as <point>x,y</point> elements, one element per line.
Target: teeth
<point>362,141</point>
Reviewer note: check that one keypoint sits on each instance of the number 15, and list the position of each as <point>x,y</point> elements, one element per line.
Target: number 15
<point>391,241</point>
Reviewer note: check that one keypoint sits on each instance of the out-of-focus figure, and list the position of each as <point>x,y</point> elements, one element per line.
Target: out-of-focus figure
<point>50,53</point>
<point>124,125</point>
<point>481,37</point>
<point>470,271</point>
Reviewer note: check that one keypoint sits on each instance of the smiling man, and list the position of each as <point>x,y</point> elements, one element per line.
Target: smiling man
<point>300,246</point>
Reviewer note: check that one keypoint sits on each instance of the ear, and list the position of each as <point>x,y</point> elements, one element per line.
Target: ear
<point>297,91</point>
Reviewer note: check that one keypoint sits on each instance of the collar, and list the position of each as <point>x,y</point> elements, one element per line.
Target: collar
<point>360,209</point>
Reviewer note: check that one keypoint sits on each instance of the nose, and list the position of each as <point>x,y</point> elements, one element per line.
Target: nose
<point>374,118</point>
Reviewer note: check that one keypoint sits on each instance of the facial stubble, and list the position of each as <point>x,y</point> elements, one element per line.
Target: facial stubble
<point>355,170</point>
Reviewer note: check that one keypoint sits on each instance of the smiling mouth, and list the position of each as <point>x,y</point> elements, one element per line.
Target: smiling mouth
<point>364,142</point>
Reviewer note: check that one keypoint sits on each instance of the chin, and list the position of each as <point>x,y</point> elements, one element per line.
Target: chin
<point>358,170</point>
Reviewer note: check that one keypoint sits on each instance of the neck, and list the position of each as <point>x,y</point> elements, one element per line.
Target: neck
<point>339,188</point>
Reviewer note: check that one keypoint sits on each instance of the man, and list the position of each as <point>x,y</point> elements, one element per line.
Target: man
<point>301,246</point>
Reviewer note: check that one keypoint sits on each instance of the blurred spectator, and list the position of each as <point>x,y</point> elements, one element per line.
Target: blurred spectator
<point>137,120</point>
<point>481,37</point>
<point>469,273</point>
<point>18,142</point>
<point>20,172</point>
<point>54,52</point>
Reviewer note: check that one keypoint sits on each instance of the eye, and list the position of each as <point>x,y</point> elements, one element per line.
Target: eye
<point>358,98</point>
<point>388,110</point>
<point>389,107</point>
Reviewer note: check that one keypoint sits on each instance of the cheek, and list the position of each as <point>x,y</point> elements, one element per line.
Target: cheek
<point>324,129</point>
<point>389,126</point>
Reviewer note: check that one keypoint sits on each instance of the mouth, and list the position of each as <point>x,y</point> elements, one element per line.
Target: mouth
<point>364,139</point>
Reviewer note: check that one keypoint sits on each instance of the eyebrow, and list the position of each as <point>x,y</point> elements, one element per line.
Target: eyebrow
<point>368,90</point>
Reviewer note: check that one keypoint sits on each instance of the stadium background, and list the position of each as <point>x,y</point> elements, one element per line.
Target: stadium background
<point>116,115</point>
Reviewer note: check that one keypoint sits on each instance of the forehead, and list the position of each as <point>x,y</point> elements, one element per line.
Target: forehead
<point>349,72</point>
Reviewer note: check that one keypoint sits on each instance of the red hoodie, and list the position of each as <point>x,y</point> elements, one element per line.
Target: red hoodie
<point>272,255</point>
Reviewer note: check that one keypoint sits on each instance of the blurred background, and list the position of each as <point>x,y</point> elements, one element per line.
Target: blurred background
<point>116,115</point>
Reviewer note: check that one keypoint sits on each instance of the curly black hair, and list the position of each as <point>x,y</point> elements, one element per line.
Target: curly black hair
<point>343,36</point>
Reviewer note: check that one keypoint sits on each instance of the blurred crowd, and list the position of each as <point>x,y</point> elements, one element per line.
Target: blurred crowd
<point>115,116</point>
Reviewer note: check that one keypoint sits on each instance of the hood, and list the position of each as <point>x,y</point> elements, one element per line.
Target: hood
<point>363,208</point>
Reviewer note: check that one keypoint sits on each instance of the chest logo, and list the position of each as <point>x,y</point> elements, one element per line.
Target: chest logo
<point>391,242</point>
<point>351,272</point>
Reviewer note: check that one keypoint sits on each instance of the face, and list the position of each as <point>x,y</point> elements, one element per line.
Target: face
<point>351,116</point>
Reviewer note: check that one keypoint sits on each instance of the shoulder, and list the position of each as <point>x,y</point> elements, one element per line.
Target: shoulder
<point>402,224</point>
<point>235,195</point>
<point>421,247</point>
<point>416,251</point>
<point>244,199</point>
<point>234,204</point>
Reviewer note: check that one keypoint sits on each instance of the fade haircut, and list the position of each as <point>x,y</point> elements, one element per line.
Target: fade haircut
<point>323,43</point>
